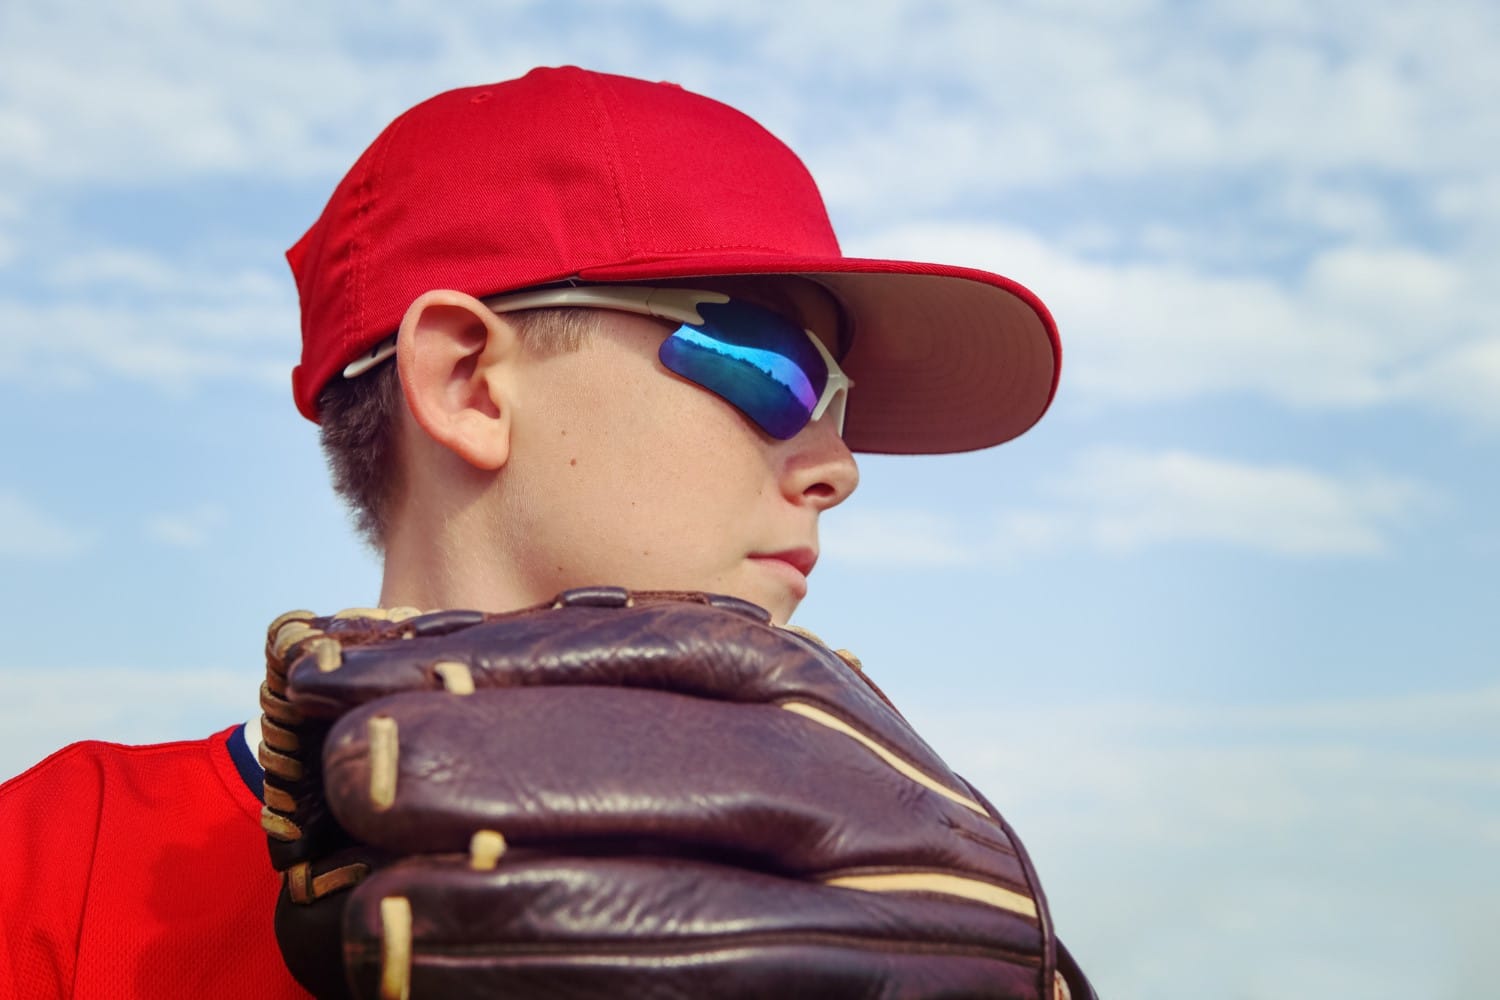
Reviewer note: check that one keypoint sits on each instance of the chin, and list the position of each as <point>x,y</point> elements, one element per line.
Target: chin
<point>774,596</point>
<point>780,607</point>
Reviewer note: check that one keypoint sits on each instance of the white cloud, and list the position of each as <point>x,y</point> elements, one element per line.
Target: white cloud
<point>1473,199</point>
<point>1011,94</point>
<point>957,101</point>
<point>10,213</point>
<point>275,89</point>
<point>187,529</point>
<point>1361,716</point>
<point>210,99</point>
<point>1383,279</point>
<point>1466,380</point>
<point>135,270</point>
<point>1115,500</point>
<point>172,347</point>
<point>1270,843</point>
<point>1020,95</point>
<point>1333,208</point>
<point>1363,326</point>
<point>123,312</point>
<point>29,532</point>
<point>1126,500</point>
<point>896,538</point>
<point>44,709</point>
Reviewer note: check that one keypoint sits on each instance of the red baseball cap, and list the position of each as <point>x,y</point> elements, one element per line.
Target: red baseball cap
<point>569,174</point>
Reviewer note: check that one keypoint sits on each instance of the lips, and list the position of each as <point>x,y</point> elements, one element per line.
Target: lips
<point>802,560</point>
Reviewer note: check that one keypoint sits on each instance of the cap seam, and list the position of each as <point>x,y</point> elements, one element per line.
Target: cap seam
<point>605,124</point>
<point>359,265</point>
<point>667,255</point>
<point>627,135</point>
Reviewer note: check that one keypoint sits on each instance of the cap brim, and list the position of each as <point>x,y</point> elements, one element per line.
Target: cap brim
<point>943,359</point>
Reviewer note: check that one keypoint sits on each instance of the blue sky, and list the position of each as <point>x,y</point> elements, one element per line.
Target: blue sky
<point>1218,635</point>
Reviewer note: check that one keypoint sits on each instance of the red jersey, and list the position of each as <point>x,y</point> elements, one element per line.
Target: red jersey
<point>138,872</point>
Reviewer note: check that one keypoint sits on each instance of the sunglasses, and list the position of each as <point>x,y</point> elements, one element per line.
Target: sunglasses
<point>764,365</point>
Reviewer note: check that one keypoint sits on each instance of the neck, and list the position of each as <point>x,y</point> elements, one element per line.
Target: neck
<point>444,550</point>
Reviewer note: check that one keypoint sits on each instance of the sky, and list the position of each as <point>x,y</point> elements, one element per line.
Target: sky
<point>1217,636</point>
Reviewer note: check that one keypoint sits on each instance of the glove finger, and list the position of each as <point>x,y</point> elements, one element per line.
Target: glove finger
<point>543,925</point>
<point>611,769</point>
<point>310,936</point>
<point>706,650</point>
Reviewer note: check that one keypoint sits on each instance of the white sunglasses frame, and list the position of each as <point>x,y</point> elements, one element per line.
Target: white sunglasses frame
<point>677,305</point>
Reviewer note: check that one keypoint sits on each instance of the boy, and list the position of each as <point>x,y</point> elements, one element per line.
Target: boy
<point>567,330</point>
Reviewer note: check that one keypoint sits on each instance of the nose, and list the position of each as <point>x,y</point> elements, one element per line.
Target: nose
<point>818,468</point>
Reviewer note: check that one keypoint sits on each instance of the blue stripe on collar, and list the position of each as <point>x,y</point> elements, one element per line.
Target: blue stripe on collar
<point>245,762</point>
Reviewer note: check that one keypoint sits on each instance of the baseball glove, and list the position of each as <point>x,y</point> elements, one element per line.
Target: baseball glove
<point>624,795</point>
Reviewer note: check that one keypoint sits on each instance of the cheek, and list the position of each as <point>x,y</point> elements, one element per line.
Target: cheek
<point>666,434</point>
<point>684,466</point>
<point>639,464</point>
<point>703,458</point>
<point>673,485</point>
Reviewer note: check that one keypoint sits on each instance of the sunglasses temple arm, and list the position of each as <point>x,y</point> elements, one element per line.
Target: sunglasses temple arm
<point>836,389</point>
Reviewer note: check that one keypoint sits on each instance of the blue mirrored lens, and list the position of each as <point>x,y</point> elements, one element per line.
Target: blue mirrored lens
<point>756,360</point>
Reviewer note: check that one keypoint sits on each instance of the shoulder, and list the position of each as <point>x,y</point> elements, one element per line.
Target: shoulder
<point>91,763</point>
<point>99,785</point>
<point>76,773</point>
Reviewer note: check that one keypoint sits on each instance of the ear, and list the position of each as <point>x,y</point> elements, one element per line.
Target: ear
<point>453,356</point>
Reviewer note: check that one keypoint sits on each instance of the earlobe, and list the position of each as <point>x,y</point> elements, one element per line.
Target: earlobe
<point>452,355</point>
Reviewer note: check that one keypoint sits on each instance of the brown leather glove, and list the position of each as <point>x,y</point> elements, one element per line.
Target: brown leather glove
<point>624,795</point>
